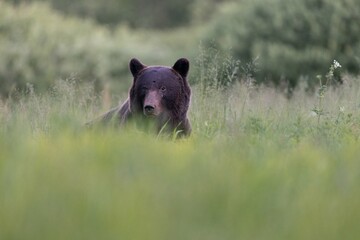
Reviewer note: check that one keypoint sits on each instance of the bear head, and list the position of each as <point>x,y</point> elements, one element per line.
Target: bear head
<point>160,93</point>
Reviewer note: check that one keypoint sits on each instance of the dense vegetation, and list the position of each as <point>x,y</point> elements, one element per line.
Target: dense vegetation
<point>291,39</point>
<point>39,46</point>
<point>160,14</point>
<point>288,41</point>
<point>257,166</point>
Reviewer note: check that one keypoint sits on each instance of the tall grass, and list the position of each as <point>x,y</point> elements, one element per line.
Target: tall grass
<point>257,166</point>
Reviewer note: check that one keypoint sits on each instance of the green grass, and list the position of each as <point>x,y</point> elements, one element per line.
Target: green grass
<point>257,166</point>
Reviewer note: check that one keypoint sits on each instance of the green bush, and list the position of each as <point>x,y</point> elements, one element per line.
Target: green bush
<point>38,46</point>
<point>135,13</point>
<point>292,39</point>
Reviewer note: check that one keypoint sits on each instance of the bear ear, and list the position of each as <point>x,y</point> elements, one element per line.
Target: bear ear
<point>182,67</point>
<point>136,66</point>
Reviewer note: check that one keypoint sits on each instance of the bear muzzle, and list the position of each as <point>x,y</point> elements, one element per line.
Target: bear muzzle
<point>152,104</point>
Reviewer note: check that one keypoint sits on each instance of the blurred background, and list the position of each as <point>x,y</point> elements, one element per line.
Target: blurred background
<point>277,42</point>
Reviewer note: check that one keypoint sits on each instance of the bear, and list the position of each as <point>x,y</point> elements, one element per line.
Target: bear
<point>159,95</point>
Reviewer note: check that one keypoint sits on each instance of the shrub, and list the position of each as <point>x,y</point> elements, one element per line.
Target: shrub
<point>293,39</point>
<point>162,14</point>
<point>39,46</point>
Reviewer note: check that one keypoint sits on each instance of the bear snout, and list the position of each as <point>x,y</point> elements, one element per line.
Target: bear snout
<point>149,110</point>
<point>152,104</point>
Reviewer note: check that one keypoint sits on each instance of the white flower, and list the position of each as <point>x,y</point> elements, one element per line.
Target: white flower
<point>342,109</point>
<point>336,64</point>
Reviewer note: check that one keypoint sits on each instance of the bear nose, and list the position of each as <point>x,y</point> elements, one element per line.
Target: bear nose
<point>149,109</point>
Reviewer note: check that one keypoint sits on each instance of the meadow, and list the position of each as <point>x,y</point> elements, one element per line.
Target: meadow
<point>257,166</point>
<point>274,152</point>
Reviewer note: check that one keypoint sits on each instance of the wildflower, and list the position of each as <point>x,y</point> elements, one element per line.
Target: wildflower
<point>313,113</point>
<point>336,64</point>
<point>342,109</point>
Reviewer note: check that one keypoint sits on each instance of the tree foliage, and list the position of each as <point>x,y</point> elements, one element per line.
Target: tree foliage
<point>136,13</point>
<point>291,38</point>
<point>38,46</point>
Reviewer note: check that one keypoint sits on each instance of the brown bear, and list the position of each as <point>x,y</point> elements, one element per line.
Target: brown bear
<point>159,95</point>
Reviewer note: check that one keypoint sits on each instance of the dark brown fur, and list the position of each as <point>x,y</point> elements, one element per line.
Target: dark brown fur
<point>160,95</point>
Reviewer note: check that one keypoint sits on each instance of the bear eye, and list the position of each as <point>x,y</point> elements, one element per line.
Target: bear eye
<point>163,88</point>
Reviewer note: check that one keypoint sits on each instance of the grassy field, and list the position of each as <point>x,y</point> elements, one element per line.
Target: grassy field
<point>257,166</point>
